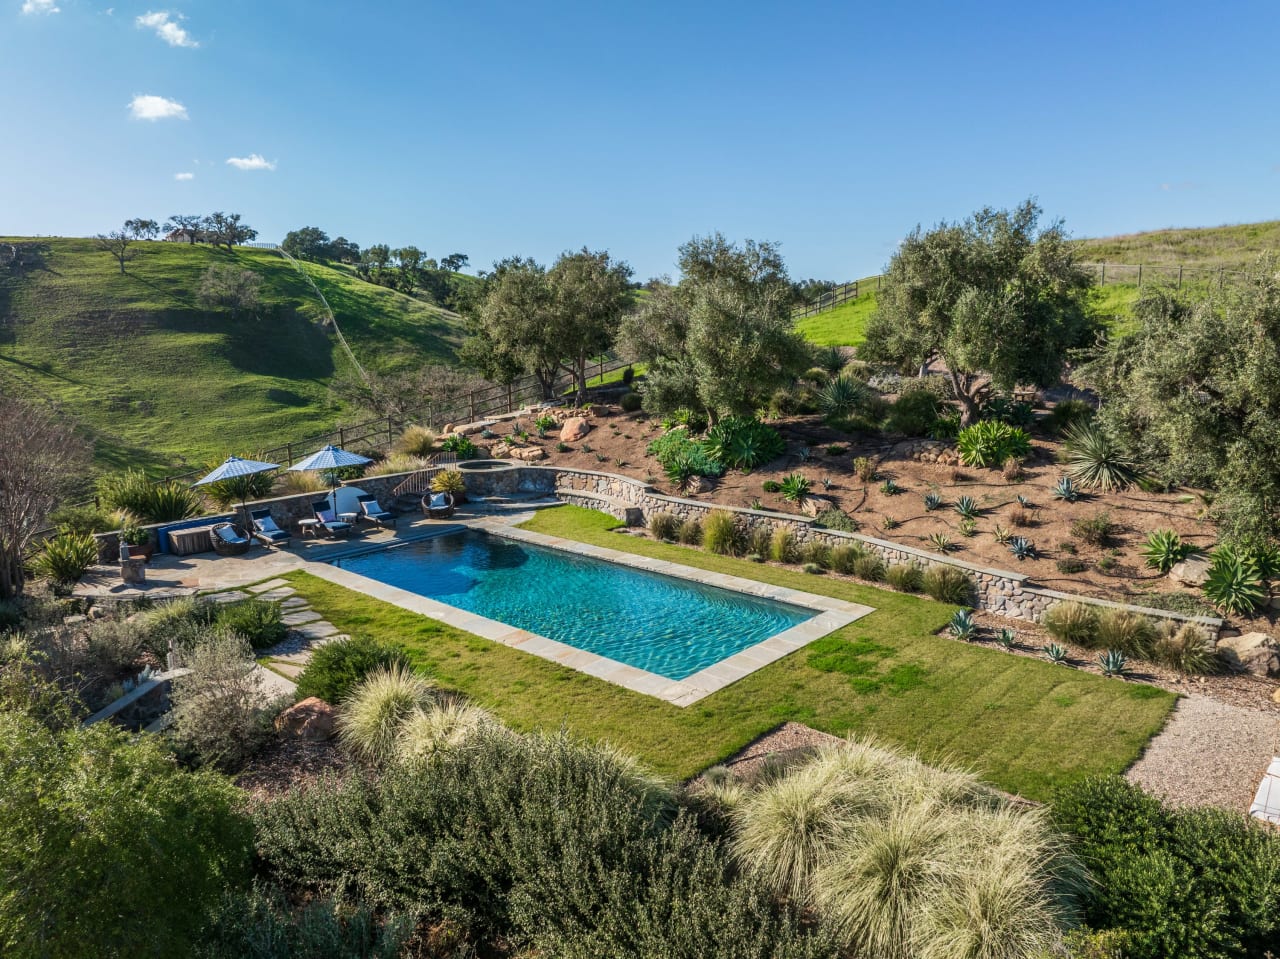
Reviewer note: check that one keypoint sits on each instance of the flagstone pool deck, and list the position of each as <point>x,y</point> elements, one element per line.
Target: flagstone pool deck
<point>227,576</point>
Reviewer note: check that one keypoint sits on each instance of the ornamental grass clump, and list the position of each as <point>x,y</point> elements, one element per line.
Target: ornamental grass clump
<point>948,584</point>
<point>1071,622</point>
<point>844,558</point>
<point>905,577</point>
<point>415,441</point>
<point>783,547</point>
<point>664,526</point>
<point>721,534</point>
<point>150,502</point>
<point>440,727</point>
<point>1121,629</point>
<point>371,718</point>
<point>1184,647</point>
<point>690,533</point>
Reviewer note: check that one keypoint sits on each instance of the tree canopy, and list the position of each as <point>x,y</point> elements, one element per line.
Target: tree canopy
<point>722,338</point>
<point>994,298</point>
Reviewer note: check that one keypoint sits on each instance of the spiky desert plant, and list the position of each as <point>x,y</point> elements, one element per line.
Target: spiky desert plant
<point>968,528</point>
<point>794,488</point>
<point>842,397</point>
<point>890,488</point>
<point>1095,459</point>
<point>1007,638</point>
<point>1001,535</point>
<point>865,468</point>
<point>439,727</point>
<point>1114,663</point>
<point>1065,489</point>
<point>932,501</point>
<point>967,507</point>
<point>1071,622</point>
<point>1056,654</point>
<point>1021,548</point>
<point>941,542</point>
<point>1234,583</point>
<point>962,625</point>
<point>373,714</point>
<point>449,481</point>
<point>1163,550</point>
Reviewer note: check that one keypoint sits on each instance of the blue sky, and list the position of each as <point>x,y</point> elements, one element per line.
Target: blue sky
<point>500,128</point>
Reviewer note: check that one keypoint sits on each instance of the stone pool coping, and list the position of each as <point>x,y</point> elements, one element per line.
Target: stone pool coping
<point>831,614</point>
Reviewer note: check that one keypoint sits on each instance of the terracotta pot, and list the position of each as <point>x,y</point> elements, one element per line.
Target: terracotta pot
<point>144,551</point>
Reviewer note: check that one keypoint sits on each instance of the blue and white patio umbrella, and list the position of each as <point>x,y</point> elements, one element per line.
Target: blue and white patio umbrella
<point>328,460</point>
<point>233,468</point>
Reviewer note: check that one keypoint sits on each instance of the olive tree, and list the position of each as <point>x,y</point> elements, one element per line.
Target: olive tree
<point>722,338</point>
<point>997,299</point>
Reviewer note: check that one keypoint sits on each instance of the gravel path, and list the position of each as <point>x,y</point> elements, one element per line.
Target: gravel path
<point>1209,754</point>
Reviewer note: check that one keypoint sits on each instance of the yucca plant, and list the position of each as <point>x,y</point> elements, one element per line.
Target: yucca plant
<point>962,625</point>
<point>940,541</point>
<point>842,397</point>
<point>832,360</point>
<point>376,709</point>
<point>150,502</point>
<point>1113,663</point>
<point>1094,458</point>
<point>1066,490</point>
<point>449,481</point>
<point>1234,583</point>
<point>1021,548</point>
<point>932,501</point>
<point>1056,654</point>
<point>1164,549</point>
<point>794,488</point>
<point>967,507</point>
<point>890,488</point>
<point>66,557</point>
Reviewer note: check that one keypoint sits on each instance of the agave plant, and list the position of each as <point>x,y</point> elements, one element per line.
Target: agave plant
<point>890,488</point>
<point>842,397</point>
<point>968,527</point>
<point>1113,663</point>
<point>1002,535</point>
<point>967,507</point>
<point>1057,654</point>
<point>805,454</point>
<point>1164,549</point>
<point>1021,548</point>
<point>932,501</point>
<point>1024,501</point>
<point>888,523</point>
<point>1234,583</point>
<point>794,488</point>
<point>1095,458</point>
<point>962,625</point>
<point>941,542</point>
<point>1066,490</point>
<point>1007,638</point>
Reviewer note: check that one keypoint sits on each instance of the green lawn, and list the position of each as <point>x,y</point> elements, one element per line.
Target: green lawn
<point>1023,724</point>
<point>843,325</point>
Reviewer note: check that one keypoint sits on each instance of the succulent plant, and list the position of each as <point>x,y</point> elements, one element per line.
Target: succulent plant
<point>968,527</point>
<point>941,542</point>
<point>1021,548</point>
<point>890,488</point>
<point>932,501</point>
<point>967,507</point>
<point>1113,663</point>
<point>1057,654</point>
<point>1007,638</point>
<point>962,625</point>
<point>1066,490</point>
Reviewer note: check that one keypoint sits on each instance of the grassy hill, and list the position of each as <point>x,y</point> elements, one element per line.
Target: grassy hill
<point>843,325</point>
<point>160,381</point>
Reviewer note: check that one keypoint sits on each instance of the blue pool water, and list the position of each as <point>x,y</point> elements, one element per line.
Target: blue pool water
<point>657,623</point>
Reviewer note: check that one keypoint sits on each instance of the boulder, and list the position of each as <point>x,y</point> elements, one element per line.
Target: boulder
<point>528,454</point>
<point>574,429</point>
<point>814,504</point>
<point>700,484</point>
<point>312,720</point>
<point>501,452</point>
<point>1192,571</point>
<point>1253,653</point>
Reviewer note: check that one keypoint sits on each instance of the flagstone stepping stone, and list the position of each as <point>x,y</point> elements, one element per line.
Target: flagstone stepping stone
<point>231,596</point>
<point>317,630</point>
<point>276,595</point>
<point>269,585</point>
<point>293,602</point>
<point>300,617</point>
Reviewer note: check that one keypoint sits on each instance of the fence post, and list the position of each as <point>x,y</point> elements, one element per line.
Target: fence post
<point>1102,281</point>
<point>390,432</point>
<point>472,397</point>
<point>1139,276</point>
<point>1220,277</point>
<point>342,436</point>
<point>289,450</point>
<point>508,397</point>
<point>877,281</point>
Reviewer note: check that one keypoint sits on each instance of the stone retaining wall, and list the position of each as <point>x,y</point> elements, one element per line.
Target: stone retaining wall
<point>1003,592</point>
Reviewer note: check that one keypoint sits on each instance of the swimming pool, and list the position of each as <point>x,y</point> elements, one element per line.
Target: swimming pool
<point>660,624</point>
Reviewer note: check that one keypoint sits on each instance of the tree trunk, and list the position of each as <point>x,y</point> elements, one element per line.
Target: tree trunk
<point>11,576</point>
<point>962,384</point>
<point>580,377</point>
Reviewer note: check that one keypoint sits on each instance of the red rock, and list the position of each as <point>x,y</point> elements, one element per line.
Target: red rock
<point>312,719</point>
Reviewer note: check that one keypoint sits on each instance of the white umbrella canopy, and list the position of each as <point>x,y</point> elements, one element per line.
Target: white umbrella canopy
<point>328,459</point>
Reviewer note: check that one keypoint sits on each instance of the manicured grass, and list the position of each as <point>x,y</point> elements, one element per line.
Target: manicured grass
<point>159,381</point>
<point>1025,725</point>
<point>844,325</point>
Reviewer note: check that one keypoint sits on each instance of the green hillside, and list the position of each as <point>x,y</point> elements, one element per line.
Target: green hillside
<point>159,380</point>
<point>843,325</point>
<point>1230,247</point>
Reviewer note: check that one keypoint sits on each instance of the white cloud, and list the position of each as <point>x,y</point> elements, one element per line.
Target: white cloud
<point>184,176</point>
<point>166,28</point>
<point>254,161</point>
<point>146,106</point>
<point>41,6</point>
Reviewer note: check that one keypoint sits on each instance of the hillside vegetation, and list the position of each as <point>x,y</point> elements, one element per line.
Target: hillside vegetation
<point>159,380</point>
<point>1230,247</point>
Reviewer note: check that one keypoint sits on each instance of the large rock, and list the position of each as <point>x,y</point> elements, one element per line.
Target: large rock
<point>312,719</point>
<point>1192,571</point>
<point>813,504</point>
<point>1253,653</point>
<point>528,454</point>
<point>574,429</point>
<point>700,484</point>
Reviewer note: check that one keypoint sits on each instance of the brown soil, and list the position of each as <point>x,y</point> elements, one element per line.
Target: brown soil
<point>288,764</point>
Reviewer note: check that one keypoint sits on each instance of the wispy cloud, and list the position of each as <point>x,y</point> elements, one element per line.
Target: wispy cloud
<point>146,106</point>
<point>254,161</point>
<point>166,28</point>
<point>1180,185</point>
<point>184,176</point>
<point>40,6</point>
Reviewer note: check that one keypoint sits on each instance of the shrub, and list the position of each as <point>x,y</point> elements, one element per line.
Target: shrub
<point>1071,565</point>
<point>1178,882</point>
<point>1095,460</point>
<point>1095,530</point>
<point>782,546</point>
<point>449,481</point>
<point>1164,549</point>
<point>544,423</point>
<point>843,397</point>
<point>1022,517</point>
<point>664,526</point>
<point>238,489</point>
<point>914,413</point>
<point>905,577</point>
<point>65,558</point>
<point>221,716</point>
<point>86,519</point>
<point>869,566</point>
<point>459,445</point>
<point>440,727</point>
<point>741,443</point>
<point>631,402</point>
<point>1070,622</point>
<point>257,620</point>
<point>990,443</point>
<point>1068,413</point>
<point>376,708</point>
<point>865,469</point>
<point>771,486</point>
<point>835,518</point>
<point>1011,469</point>
<point>722,534</point>
<point>691,532</point>
<point>816,553</point>
<point>679,454</point>
<point>132,492</point>
<point>415,441</point>
<point>845,557</point>
<point>1234,582</point>
<point>93,819</point>
<point>1177,602</point>
<point>336,667</point>
<point>1184,647</point>
<point>292,482</point>
<point>794,488</point>
<point>1122,629</point>
<point>948,584</point>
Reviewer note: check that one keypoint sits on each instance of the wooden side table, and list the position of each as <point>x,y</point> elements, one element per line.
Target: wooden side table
<point>196,539</point>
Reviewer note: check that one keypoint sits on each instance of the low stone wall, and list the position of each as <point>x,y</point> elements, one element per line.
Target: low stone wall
<point>1003,592</point>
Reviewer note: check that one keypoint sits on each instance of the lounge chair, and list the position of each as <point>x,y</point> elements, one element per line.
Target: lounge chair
<point>265,530</point>
<point>438,505</point>
<point>372,510</point>
<point>229,540</point>
<point>329,521</point>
